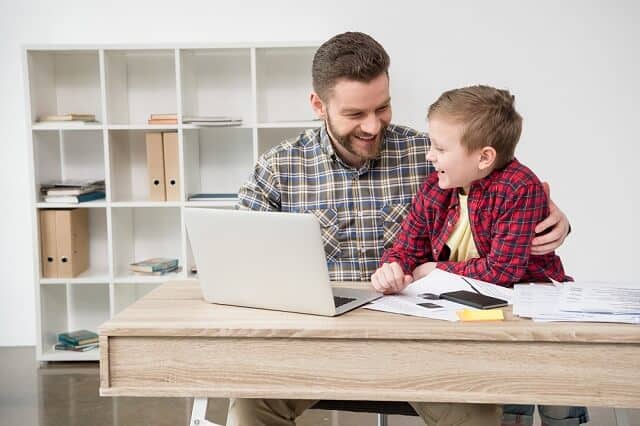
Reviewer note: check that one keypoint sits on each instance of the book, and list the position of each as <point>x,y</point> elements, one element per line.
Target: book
<point>160,272</point>
<point>213,196</point>
<point>212,121</point>
<point>71,183</point>
<point>78,337</point>
<point>163,121</point>
<point>164,116</point>
<point>61,190</point>
<point>68,117</point>
<point>61,346</point>
<point>154,264</point>
<point>75,199</point>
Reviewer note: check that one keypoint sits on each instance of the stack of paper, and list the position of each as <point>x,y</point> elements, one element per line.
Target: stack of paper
<point>585,302</point>
<point>212,121</point>
<point>421,298</point>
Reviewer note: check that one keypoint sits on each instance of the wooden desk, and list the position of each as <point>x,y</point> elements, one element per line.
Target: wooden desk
<point>172,343</point>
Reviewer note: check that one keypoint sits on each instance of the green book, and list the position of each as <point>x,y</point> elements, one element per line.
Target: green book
<point>78,337</point>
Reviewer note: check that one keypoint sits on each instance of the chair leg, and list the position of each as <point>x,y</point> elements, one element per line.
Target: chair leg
<point>622,416</point>
<point>382,419</point>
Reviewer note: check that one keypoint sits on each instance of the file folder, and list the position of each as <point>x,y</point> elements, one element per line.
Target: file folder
<point>171,165</point>
<point>64,240</point>
<point>155,166</point>
<point>72,235</point>
<point>48,247</point>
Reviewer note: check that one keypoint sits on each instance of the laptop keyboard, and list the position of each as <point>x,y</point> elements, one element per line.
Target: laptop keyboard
<point>339,301</point>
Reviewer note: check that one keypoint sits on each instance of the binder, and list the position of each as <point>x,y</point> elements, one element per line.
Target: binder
<point>155,166</point>
<point>64,240</point>
<point>171,165</point>
<point>72,235</point>
<point>48,247</point>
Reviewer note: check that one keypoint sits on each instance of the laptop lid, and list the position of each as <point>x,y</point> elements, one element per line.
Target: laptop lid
<point>268,260</point>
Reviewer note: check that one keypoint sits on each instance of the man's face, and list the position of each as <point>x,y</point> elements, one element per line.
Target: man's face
<point>456,166</point>
<point>357,115</point>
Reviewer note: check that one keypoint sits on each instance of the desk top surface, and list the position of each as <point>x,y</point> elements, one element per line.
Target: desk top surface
<point>177,308</point>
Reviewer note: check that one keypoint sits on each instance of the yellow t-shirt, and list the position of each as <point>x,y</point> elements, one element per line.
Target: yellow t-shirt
<point>461,241</point>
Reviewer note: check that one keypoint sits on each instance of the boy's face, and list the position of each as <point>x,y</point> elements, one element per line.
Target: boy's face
<point>357,115</point>
<point>456,166</point>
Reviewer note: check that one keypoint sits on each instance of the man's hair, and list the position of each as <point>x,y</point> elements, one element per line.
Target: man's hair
<point>489,117</point>
<point>351,55</point>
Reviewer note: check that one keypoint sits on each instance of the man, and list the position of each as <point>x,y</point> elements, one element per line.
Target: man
<point>358,174</point>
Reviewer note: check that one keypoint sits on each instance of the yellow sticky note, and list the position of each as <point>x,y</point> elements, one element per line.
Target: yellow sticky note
<point>483,315</point>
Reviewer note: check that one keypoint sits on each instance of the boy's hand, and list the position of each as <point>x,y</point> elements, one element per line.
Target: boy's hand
<point>556,227</point>
<point>423,270</point>
<point>390,278</point>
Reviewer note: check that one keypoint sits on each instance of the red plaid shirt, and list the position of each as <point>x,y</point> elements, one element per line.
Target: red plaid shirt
<point>504,209</point>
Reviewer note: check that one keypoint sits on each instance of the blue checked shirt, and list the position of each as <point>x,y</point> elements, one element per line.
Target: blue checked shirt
<point>360,210</point>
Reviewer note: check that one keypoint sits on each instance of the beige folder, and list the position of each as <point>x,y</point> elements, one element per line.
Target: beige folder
<point>171,165</point>
<point>155,166</point>
<point>72,235</point>
<point>48,245</point>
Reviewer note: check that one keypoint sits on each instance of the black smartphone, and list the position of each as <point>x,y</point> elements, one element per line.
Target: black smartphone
<point>475,300</point>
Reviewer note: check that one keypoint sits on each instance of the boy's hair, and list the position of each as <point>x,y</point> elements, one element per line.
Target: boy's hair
<point>489,115</point>
<point>351,55</point>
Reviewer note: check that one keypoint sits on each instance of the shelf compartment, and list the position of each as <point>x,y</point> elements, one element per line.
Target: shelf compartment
<point>140,83</point>
<point>217,160</point>
<point>129,173</point>
<point>140,233</point>
<point>98,271</point>
<point>270,137</point>
<point>217,82</point>
<point>68,308</point>
<point>68,154</point>
<point>283,84</point>
<point>64,82</point>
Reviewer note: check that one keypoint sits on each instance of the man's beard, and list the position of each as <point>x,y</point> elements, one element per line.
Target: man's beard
<point>346,142</point>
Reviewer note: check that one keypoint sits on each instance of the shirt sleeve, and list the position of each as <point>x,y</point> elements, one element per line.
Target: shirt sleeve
<point>262,190</point>
<point>511,237</point>
<point>412,245</point>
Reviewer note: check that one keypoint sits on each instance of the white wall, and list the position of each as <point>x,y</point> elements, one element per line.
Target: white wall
<point>574,67</point>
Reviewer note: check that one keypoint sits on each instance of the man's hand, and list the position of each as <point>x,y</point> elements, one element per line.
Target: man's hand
<point>423,270</point>
<point>556,227</point>
<point>390,279</point>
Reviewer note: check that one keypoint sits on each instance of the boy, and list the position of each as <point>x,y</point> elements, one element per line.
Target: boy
<point>476,214</point>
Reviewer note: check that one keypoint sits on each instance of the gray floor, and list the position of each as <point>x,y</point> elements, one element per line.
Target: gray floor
<point>66,394</point>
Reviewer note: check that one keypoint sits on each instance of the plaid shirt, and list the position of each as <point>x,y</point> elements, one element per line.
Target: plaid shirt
<point>360,210</point>
<point>504,209</point>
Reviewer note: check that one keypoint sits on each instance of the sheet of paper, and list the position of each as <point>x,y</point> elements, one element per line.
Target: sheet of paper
<point>605,298</point>
<point>421,298</point>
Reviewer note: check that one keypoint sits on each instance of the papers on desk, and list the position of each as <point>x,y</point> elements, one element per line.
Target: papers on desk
<point>421,298</point>
<point>584,302</point>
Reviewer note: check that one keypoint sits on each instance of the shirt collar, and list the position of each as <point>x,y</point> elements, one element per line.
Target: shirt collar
<point>327,148</point>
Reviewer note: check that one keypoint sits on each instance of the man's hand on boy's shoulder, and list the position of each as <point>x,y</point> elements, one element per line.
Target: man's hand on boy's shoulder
<point>390,278</point>
<point>552,231</point>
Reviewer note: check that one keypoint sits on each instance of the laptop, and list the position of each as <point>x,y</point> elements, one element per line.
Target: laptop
<point>267,260</point>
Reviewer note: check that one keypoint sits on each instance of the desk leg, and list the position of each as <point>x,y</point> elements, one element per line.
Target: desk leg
<point>199,412</point>
<point>622,416</point>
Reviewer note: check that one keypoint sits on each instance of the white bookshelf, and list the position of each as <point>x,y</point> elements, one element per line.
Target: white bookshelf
<point>266,85</point>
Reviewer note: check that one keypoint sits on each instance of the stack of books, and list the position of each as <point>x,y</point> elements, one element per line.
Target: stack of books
<point>79,341</point>
<point>72,191</point>
<point>70,118</point>
<point>155,266</point>
<point>163,119</point>
<point>215,121</point>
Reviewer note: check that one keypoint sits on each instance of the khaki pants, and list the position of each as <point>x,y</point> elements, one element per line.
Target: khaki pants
<point>281,412</point>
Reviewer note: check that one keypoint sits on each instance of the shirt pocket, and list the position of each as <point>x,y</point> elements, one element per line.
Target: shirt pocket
<point>392,216</point>
<point>330,231</point>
